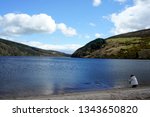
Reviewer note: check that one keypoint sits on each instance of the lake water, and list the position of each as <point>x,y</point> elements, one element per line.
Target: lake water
<point>34,76</point>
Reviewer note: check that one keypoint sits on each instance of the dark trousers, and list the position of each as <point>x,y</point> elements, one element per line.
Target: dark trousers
<point>134,86</point>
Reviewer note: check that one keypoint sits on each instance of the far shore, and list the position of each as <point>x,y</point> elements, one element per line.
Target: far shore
<point>139,93</point>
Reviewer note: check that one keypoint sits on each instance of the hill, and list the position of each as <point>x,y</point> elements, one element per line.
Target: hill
<point>132,45</point>
<point>89,48</point>
<point>9,48</point>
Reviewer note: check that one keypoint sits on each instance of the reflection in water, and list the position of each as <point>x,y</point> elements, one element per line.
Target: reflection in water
<point>28,76</point>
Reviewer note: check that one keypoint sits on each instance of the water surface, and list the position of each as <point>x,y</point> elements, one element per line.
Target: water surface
<point>33,76</point>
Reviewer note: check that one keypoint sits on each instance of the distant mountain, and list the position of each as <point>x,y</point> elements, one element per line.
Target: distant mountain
<point>89,48</point>
<point>9,48</point>
<point>132,45</point>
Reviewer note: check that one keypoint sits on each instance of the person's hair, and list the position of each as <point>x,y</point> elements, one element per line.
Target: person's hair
<point>131,75</point>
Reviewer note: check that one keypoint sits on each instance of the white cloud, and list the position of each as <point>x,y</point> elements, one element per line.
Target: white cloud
<point>96,3</point>
<point>67,48</point>
<point>98,35</point>
<point>133,18</point>
<point>92,24</point>
<point>121,1</point>
<point>18,24</point>
<point>68,31</point>
<point>13,24</point>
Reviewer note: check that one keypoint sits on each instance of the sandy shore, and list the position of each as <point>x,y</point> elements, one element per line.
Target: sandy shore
<point>140,93</point>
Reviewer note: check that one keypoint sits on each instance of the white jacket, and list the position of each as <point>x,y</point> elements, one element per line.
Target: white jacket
<point>133,81</point>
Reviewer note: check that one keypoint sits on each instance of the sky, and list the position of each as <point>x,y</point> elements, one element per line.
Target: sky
<point>66,25</point>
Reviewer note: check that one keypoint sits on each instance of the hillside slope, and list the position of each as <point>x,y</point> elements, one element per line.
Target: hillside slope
<point>89,48</point>
<point>9,48</point>
<point>133,45</point>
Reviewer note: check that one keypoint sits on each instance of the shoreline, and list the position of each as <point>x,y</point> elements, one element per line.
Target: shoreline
<point>139,93</point>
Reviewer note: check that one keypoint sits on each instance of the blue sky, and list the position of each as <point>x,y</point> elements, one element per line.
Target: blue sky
<point>66,25</point>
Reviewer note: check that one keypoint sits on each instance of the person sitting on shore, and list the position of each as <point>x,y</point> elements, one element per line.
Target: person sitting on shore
<point>133,81</point>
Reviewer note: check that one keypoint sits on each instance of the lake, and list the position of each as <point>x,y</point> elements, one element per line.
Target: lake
<point>39,76</point>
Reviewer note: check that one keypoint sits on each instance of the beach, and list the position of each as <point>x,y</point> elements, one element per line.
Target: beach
<point>139,93</point>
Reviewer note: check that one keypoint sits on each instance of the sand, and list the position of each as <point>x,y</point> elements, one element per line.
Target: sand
<point>140,93</point>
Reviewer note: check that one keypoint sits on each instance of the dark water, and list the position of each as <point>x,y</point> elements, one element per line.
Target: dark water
<point>33,76</point>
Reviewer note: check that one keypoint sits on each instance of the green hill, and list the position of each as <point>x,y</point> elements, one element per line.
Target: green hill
<point>9,48</point>
<point>89,48</point>
<point>133,45</point>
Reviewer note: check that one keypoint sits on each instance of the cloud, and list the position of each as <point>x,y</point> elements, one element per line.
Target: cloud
<point>132,18</point>
<point>121,1</point>
<point>96,3</point>
<point>92,24</point>
<point>68,31</point>
<point>18,24</point>
<point>13,24</point>
<point>98,35</point>
<point>67,48</point>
